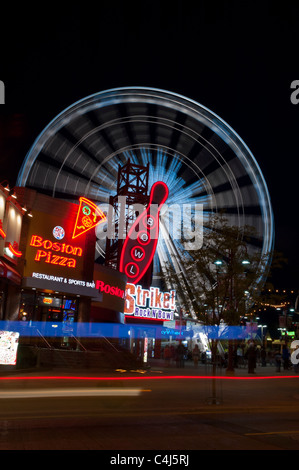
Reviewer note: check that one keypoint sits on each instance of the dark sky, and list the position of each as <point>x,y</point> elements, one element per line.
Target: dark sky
<point>237,58</point>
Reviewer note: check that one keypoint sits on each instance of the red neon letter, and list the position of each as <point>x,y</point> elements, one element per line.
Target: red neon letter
<point>129,301</point>
<point>36,240</point>
<point>40,254</point>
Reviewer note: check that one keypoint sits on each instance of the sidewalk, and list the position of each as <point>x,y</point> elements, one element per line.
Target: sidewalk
<point>156,367</point>
<point>206,370</point>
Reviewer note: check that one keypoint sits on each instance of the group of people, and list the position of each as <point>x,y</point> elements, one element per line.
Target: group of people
<point>277,357</point>
<point>175,354</point>
<point>251,356</point>
<point>180,354</point>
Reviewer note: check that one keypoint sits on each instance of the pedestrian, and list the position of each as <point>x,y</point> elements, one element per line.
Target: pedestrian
<point>195,355</point>
<point>172,353</point>
<point>167,355</point>
<point>239,356</point>
<point>180,352</point>
<point>271,358</point>
<point>251,358</point>
<point>285,357</point>
<point>263,357</point>
<point>277,360</point>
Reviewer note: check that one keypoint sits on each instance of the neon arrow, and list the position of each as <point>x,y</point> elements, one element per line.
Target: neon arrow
<point>14,249</point>
<point>2,233</point>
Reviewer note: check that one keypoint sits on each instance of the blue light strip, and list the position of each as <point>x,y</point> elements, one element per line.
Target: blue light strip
<point>119,330</point>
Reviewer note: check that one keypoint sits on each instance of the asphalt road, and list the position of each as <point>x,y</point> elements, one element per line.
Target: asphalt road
<point>167,410</point>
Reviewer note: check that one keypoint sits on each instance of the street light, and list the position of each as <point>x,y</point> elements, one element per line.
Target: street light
<point>262,331</point>
<point>218,262</point>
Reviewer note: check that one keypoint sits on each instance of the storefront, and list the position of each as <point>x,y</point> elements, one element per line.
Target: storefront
<point>57,282</point>
<point>11,217</point>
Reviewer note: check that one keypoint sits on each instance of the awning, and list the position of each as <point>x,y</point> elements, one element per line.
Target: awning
<point>9,273</point>
<point>47,282</point>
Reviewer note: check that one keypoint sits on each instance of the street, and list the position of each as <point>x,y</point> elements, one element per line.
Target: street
<point>167,409</point>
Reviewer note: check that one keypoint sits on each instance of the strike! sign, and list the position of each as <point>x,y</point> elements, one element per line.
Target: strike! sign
<point>151,304</point>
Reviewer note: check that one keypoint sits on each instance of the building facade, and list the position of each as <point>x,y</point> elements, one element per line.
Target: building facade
<point>55,277</point>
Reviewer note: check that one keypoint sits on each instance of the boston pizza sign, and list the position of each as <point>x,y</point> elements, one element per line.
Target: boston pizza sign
<point>60,239</point>
<point>52,252</point>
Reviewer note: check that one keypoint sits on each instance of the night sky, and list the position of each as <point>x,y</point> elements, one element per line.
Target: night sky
<point>237,58</point>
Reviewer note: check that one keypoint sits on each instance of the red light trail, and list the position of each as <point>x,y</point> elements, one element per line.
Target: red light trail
<point>170,377</point>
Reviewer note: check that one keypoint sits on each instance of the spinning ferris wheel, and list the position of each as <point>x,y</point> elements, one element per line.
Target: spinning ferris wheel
<point>200,158</point>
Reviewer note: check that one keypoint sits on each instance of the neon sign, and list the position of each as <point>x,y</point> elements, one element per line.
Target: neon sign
<point>151,304</point>
<point>14,249</point>
<point>112,290</point>
<point>88,217</point>
<point>52,258</point>
<point>2,233</point>
<point>11,249</point>
<point>140,245</point>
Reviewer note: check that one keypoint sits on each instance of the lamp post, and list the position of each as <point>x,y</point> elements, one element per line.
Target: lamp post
<point>232,298</point>
<point>262,332</point>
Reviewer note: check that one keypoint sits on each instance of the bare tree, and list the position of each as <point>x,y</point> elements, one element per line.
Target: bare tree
<point>223,280</point>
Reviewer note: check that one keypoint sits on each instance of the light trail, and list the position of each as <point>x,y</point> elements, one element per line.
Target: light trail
<point>170,377</point>
<point>71,392</point>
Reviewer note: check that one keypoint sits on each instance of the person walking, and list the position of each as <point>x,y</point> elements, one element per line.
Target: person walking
<point>251,358</point>
<point>278,360</point>
<point>285,357</point>
<point>240,360</point>
<point>180,355</point>
<point>195,355</point>
<point>167,355</point>
<point>263,357</point>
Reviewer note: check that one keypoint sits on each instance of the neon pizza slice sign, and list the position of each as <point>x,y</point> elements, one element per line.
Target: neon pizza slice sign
<point>88,216</point>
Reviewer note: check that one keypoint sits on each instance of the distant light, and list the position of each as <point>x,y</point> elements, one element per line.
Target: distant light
<point>218,261</point>
<point>245,261</point>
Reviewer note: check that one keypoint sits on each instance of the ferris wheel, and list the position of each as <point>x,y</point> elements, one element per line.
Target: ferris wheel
<point>205,164</point>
